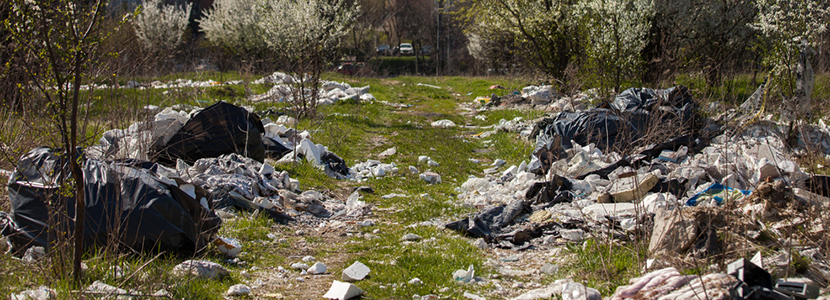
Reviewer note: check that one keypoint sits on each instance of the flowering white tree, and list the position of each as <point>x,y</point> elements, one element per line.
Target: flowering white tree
<point>617,33</point>
<point>160,27</point>
<point>306,33</point>
<point>713,36</point>
<point>784,26</point>
<point>235,25</point>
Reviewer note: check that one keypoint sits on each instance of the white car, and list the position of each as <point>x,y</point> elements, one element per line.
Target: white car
<point>406,49</point>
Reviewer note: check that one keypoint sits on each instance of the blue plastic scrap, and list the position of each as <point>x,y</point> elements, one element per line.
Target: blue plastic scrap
<point>715,191</point>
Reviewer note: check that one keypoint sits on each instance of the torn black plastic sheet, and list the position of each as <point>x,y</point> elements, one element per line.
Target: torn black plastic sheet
<point>126,201</point>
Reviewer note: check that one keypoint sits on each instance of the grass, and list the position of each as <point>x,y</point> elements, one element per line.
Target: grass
<point>603,265</point>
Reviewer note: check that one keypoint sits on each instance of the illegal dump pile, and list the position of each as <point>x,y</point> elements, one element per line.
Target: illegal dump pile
<point>156,184</point>
<point>644,171</point>
<point>646,168</point>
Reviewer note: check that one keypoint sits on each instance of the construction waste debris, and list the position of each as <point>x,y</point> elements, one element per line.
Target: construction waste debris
<point>646,166</point>
<point>698,188</point>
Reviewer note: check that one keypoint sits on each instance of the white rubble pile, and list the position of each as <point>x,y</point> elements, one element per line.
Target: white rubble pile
<point>284,90</point>
<point>538,95</point>
<point>362,171</point>
<point>135,141</point>
<point>509,186</point>
<point>516,125</point>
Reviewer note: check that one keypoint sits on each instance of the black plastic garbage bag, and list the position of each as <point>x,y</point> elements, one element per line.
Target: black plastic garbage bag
<point>488,224</point>
<point>635,116</point>
<point>221,128</point>
<point>335,166</point>
<point>126,202</point>
<point>274,149</point>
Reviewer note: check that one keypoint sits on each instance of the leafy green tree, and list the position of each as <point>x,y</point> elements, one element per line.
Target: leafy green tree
<point>58,40</point>
<point>541,32</point>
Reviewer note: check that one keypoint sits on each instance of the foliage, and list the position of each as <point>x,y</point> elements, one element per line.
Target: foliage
<point>540,33</point>
<point>234,25</point>
<point>160,27</point>
<point>60,42</point>
<point>709,35</point>
<point>615,37</point>
<point>783,26</point>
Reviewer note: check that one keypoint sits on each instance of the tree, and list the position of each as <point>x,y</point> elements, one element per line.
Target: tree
<point>306,33</point>
<point>615,37</point>
<point>234,26</point>
<point>709,35</point>
<point>59,41</point>
<point>784,25</point>
<point>160,27</point>
<point>541,31</point>
<point>415,22</point>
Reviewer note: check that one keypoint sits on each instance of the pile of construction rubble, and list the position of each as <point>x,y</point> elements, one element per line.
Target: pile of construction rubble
<point>185,162</point>
<point>285,90</point>
<point>698,190</point>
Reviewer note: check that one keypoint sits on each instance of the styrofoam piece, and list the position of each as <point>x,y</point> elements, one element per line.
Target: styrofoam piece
<point>317,268</point>
<point>342,290</point>
<point>355,272</point>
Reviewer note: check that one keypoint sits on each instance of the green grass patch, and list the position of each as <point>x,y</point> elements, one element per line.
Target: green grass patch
<point>603,266</point>
<point>432,260</point>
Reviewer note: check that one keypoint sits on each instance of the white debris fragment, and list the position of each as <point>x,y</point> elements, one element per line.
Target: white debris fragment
<point>355,272</point>
<point>317,268</point>
<point>342,290</point>
<point>238,290</point>
<point>443,123</point>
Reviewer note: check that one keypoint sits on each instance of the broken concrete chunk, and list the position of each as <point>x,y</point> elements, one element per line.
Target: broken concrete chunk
<point>356,272</point>
<point>411,237</point>
<point>317,268</point>
<point>634,187</point>
<point>389,152</point>
<point>238,290</point>
<point>342,290</point>
<point>301,266</point>
<point>200,269</point>
<point>573,235</point>
<point>41,293</point>
<point>674,232</point>
<point>102,289</point>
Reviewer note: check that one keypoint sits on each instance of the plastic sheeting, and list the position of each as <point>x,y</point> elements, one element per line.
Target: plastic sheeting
<point>128,201</point>
<point>221,128</point>
<point>620,124</point>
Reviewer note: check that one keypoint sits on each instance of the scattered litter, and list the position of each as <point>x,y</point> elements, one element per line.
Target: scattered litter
<point>429,85</point>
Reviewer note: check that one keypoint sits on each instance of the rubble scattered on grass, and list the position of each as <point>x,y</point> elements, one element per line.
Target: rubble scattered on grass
<point>200,269</point>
